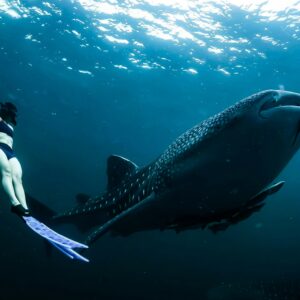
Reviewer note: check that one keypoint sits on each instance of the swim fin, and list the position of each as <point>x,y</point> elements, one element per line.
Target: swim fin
<point>62,243</point>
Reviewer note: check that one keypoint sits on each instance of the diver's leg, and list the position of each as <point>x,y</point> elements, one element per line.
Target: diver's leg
<point>16,171</point>
<point>7,182</point>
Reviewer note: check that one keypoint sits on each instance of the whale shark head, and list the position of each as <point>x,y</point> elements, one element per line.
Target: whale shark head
<point>273,114</point>
<point>279,111</point>
<point>268,121</point>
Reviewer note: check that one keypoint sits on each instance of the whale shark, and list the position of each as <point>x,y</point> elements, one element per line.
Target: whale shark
<point>214,175</point>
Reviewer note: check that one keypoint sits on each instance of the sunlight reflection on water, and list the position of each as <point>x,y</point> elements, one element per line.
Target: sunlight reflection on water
<point>201,31</point>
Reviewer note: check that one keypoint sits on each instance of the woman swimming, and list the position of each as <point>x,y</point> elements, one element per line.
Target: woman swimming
<point>10,167</point>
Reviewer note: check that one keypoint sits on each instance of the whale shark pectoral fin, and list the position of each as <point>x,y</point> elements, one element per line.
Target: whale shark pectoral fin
<point>235,218</point>
<point>118,168</point>
<point>110,223</point>
<point>265,193</point>
<point>251,207</point>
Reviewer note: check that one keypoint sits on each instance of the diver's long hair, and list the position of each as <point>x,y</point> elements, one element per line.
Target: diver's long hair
<point>8,112</point>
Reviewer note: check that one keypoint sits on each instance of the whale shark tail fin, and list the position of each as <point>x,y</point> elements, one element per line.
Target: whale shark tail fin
<point>40,210</point>
<point>50,217</point>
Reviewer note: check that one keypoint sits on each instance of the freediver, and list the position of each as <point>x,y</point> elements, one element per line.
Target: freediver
<point>10,166</point>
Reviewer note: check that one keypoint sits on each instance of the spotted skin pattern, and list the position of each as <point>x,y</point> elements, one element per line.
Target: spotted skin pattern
<point>184,145</point>
<point>152,180</point>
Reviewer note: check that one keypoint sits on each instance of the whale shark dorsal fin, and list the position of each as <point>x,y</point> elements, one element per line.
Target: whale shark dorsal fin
<point>118,168</point>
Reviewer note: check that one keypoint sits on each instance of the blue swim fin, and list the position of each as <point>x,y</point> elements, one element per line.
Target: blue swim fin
<point>62,243</point>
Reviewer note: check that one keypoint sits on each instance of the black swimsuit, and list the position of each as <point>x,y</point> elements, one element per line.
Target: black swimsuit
<point>4,147</point>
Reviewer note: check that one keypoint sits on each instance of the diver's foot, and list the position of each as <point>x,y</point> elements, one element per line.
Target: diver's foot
<point>20,210</point>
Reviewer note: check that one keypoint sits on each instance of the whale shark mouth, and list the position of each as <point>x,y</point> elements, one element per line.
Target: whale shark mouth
<point>278,100</point>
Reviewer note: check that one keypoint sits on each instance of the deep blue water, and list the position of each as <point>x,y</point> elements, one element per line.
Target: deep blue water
<point>92,78</point>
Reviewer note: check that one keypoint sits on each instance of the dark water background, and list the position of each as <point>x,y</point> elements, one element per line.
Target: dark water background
<point>87,87</point>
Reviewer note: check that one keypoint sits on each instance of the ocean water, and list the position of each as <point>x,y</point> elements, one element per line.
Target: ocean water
<point>91,78</point>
